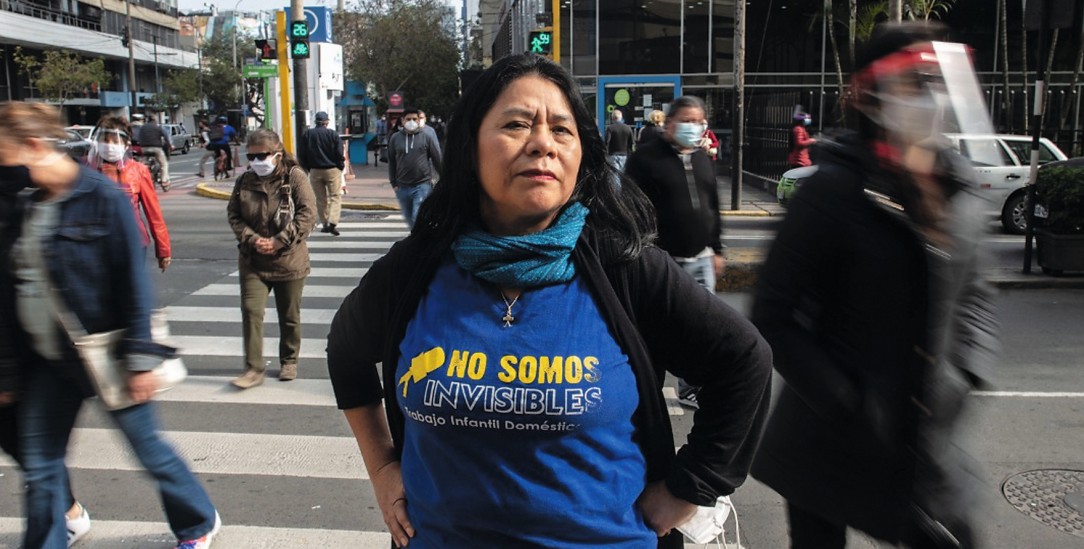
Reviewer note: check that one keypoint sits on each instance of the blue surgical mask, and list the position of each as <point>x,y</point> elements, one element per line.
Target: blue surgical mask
<point>808,121</point>
<point>688,134</point>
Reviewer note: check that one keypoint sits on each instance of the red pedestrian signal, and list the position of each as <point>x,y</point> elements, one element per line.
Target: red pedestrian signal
<point>268,49</point>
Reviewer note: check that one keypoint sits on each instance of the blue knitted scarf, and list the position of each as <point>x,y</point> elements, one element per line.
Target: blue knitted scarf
<point>537,259</point>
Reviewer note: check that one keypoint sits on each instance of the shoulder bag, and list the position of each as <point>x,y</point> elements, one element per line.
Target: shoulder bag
<point>105,368</point>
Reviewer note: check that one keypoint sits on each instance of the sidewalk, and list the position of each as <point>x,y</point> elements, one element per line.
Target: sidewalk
<point>370,190</point>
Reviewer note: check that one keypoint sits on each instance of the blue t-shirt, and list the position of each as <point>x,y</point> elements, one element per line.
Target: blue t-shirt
<point>518,436</point>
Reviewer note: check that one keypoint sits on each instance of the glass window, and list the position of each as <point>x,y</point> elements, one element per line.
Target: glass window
<point>989,148</point>
<point>722,36</point>
<point>640,36</point>
<point>695,45</point>
<point>1022,150</point>
<point>583,36</point>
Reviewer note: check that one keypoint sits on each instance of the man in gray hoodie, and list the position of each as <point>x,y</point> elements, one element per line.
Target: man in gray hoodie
<point>413,157</point>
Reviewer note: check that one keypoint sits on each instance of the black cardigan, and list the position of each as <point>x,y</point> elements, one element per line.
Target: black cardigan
<point>662,319</point>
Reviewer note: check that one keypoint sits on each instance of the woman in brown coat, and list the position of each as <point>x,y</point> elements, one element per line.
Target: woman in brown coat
<point>272,211</point>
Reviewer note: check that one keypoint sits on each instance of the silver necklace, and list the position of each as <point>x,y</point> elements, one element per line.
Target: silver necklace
<point>508,318</point>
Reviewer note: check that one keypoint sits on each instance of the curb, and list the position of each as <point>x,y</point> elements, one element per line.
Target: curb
<point>205,190</point>
<point>743,265</point>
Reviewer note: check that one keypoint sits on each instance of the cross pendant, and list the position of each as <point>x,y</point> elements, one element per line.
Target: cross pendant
<point>508,318</point>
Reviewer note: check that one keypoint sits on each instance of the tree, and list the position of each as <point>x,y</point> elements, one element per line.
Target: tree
<point>402,45</point>
<point>179,87</point>
<point>61,75</point>
<point>927,9</point>
<point>222,80</point>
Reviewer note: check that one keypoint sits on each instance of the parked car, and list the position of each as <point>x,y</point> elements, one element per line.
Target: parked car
<point>1004,170</point>
<point>179,136</point>
<point>77,146</point>
<point>791,180</point>
<point>82,130</point>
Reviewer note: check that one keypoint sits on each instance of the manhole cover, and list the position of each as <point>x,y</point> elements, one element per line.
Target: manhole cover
<point>1050,496</point>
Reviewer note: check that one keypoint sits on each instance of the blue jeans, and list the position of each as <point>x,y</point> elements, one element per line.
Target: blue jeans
<point>410,199</point>
<point>47,416</point>
<point>702,269</point>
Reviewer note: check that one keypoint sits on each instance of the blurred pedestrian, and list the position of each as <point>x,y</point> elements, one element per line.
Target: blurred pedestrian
<point>272,211</point>
<point>111,157</point>
<point>678,177</point>
<point>880,322</point>
<point>800,142</point>
<point>155,141</point>
<point>653,128</point>
<point>524,330</point>
<point>79,239</point>
<point>321,154</point>
<point>710,143</point>
<point>13,351</point>
<point>380,141</point>
<point>423,121</point>
<point>413,159</point>
<point>205,142</point>
<point>618,141</point>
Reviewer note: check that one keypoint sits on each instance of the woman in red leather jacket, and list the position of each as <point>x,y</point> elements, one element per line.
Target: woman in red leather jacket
<point>111,157</point>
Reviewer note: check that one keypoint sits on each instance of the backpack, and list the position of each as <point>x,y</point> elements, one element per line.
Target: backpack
<point>217,133</point>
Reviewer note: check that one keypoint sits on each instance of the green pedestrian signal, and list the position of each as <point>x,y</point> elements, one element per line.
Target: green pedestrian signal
<point>299,49</point>
<point>299,29</point>
<point>540,42</point>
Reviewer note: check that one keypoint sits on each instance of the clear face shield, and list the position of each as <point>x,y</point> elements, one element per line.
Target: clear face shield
<point>110,145</point>
<point>926,91</point>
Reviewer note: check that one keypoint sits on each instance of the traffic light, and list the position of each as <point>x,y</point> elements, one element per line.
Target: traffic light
<point>124,38</point>
<point>268,49</point>
<point>299,39</point>
<point>541,42</point>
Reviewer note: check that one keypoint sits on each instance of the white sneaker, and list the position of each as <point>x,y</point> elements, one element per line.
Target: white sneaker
<point>79,526</point>
<point>203,542</point>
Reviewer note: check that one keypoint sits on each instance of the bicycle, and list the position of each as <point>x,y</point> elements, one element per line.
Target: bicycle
<point>151,162</point>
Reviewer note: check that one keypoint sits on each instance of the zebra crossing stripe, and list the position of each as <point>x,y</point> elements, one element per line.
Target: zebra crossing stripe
<point>328,272</point>
<point>232,346</point>
<point>311,290</point>
<point>232,315</point>
<point>217,453</point>
<point>115,534</point>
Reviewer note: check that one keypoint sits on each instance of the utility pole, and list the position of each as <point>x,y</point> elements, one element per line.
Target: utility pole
<point>895,10</point>
<point>131,55</point>
<point>556,24</point>
<point>157,82</point>
<point>301,77</point>
<point>738,126</point>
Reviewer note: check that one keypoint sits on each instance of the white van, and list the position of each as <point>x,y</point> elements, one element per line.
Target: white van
<point>1007,179</point>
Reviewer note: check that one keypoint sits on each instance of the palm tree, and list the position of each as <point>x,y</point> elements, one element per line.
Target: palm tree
<point>927,9</point>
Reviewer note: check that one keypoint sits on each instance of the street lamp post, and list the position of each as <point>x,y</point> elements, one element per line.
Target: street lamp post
<point>236,67</point>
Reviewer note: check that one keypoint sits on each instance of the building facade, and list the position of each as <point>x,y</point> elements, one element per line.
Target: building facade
<point>93,29</point>
<point>638,55</point>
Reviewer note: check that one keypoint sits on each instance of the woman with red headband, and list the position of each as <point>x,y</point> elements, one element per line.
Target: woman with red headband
<point>878,319</point>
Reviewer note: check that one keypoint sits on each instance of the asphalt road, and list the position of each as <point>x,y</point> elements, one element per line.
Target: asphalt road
<point>281,465</point>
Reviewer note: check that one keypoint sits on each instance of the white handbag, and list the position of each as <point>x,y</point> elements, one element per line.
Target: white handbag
<point>106,370</point>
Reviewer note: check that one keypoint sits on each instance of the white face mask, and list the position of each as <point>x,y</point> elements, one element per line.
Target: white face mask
<point>111,152</point>
<point>688,134</point>
<point>263,168</point>
<point>411,126</point>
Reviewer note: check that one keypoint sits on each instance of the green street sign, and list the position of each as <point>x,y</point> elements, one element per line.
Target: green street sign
<point>260,71</point>
<point>541,42</point>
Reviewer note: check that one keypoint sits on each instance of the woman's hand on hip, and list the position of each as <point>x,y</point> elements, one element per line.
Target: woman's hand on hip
<point>142,385</point>
<point>388,485</point>
<point>662,510</point>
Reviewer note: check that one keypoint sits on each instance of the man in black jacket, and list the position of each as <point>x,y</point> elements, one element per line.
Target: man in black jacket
<point>618,141</point>
<point>679,178</point>
<point>321,154</point>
